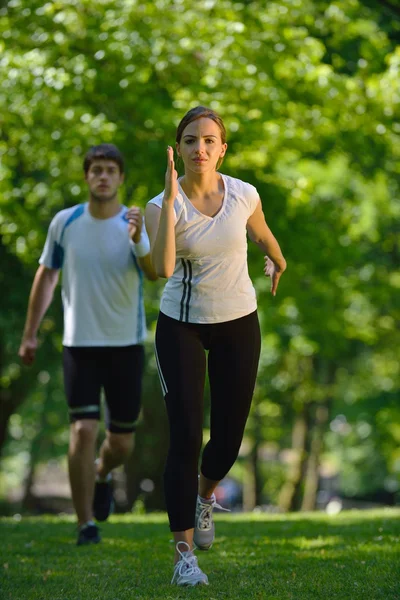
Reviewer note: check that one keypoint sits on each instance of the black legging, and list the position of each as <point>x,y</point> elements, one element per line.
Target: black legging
<point>234,350</point>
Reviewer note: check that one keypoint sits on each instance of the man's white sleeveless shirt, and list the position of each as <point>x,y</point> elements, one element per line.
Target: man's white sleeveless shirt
<point>211,283</point>
<point>102,283</point>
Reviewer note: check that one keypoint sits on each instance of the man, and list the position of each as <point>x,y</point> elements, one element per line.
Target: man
<point>102,248</point>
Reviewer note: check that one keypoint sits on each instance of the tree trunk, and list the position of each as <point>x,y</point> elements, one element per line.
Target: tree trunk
<point>325,375</point>
<point>11,399</point>
<point>312,472</point>
<point>29,500</point>
<point>15,283</point>
<point>253,481</point>
<point>144,469</point>
<point>290,496</point>
<point>249,490</point>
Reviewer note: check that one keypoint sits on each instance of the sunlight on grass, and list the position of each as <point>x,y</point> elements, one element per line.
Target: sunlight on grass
<point>354,556</point>
<point>320,542</point>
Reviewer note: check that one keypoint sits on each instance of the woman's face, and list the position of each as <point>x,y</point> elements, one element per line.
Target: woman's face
<point>201,146</point>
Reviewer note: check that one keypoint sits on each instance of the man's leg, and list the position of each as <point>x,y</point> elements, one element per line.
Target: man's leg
<point>81,455</point>
<point>114,451</point>
<point>122,379</point>
<point>82,387</point>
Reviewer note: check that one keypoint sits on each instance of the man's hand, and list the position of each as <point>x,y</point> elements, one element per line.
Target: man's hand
<point>274,271</point>
<point>135,222</point>
<point>27,350</point>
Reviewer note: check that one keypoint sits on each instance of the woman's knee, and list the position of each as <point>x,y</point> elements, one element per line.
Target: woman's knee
<point>218,458</point>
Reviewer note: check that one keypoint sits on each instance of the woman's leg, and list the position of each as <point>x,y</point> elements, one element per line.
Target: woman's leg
<point>232,367</point>
<point>181,363</point>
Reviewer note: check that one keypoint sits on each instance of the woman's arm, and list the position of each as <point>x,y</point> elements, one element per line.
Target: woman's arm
<point>160,224</point>
<point>147,268</point>
<point>260,234</point>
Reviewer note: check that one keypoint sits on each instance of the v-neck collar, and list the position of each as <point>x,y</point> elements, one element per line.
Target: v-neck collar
<point>222,208</point>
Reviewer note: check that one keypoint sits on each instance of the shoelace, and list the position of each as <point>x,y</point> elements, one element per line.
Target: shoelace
<point>205,517</point>
<point>187,565</point>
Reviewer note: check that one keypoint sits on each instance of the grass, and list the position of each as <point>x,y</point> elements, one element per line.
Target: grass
<point>354,556</point>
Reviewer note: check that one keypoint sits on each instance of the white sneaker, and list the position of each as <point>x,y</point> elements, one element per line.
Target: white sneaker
<point>186,570</point>
<point>204,529</point>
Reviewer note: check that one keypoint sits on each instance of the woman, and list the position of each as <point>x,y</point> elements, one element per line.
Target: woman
<point>197,228</point>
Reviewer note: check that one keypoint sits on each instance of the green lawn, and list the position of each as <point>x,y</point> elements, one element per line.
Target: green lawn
<point>355,556</point>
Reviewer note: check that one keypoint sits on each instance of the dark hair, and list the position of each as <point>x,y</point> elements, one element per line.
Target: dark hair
<point>103,152</point>
<point>199,112</point>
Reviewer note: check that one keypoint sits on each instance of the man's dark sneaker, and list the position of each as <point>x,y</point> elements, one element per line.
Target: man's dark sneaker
<point>103,501</point>
<point>88,534</point>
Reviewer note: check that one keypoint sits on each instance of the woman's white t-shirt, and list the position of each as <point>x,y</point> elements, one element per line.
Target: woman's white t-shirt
<point>211,283</point>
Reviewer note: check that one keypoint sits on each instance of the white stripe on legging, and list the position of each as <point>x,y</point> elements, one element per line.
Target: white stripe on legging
<point>161,376</point>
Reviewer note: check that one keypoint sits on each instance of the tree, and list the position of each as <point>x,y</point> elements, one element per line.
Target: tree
<point>309,94</point>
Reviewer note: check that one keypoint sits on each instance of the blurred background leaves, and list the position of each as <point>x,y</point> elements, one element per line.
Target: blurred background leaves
<point>309,92</point>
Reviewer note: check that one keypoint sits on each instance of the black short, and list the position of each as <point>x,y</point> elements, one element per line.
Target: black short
<point>118,370</point>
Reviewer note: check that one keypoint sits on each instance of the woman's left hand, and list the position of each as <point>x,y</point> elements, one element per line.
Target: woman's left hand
<point>274,271</point>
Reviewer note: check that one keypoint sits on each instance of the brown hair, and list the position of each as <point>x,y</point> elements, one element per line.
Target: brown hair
<point>199,112</point>
<point>103,152</point>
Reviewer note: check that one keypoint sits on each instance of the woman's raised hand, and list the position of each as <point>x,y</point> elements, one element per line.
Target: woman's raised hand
<point>171,177</point>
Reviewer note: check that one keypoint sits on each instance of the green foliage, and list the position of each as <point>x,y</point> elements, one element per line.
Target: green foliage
<point>309,93</point>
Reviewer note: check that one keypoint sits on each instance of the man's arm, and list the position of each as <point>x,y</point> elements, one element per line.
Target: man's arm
<point>141,242</point>
<point>39,301</point>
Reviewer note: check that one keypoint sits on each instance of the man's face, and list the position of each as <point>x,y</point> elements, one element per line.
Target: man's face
<point>104,179</point>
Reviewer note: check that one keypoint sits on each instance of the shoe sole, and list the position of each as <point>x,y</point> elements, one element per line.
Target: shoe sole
<point>203,548</point>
